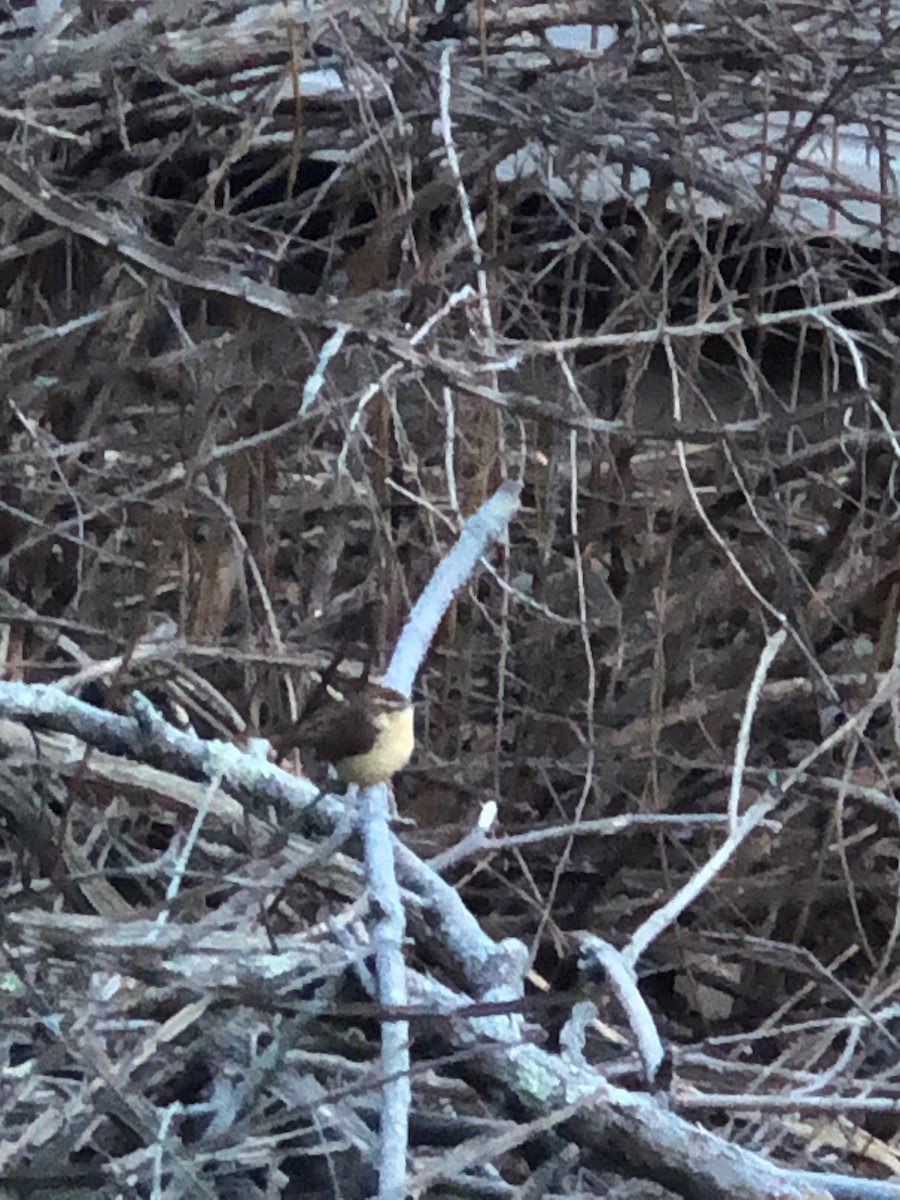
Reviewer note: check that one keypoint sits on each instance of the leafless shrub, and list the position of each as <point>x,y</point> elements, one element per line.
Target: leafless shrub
<point>285,291</point>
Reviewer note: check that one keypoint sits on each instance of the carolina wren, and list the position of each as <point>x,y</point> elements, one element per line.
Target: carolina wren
<point>367,735</point>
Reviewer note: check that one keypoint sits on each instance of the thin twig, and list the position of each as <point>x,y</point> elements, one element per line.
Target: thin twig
<point>771,648</point>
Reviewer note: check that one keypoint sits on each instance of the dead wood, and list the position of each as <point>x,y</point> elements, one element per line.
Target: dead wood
<point>286,289</point>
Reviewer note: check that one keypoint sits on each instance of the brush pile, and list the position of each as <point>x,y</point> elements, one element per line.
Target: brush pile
<point>286,290</point>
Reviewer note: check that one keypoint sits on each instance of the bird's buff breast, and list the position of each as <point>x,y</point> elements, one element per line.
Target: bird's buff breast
<point>392,751</point>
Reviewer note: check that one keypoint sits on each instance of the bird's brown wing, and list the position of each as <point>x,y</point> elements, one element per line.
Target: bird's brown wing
<point>341,730</point>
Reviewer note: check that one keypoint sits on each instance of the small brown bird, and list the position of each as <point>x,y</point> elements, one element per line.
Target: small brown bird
<point>367,734</point>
